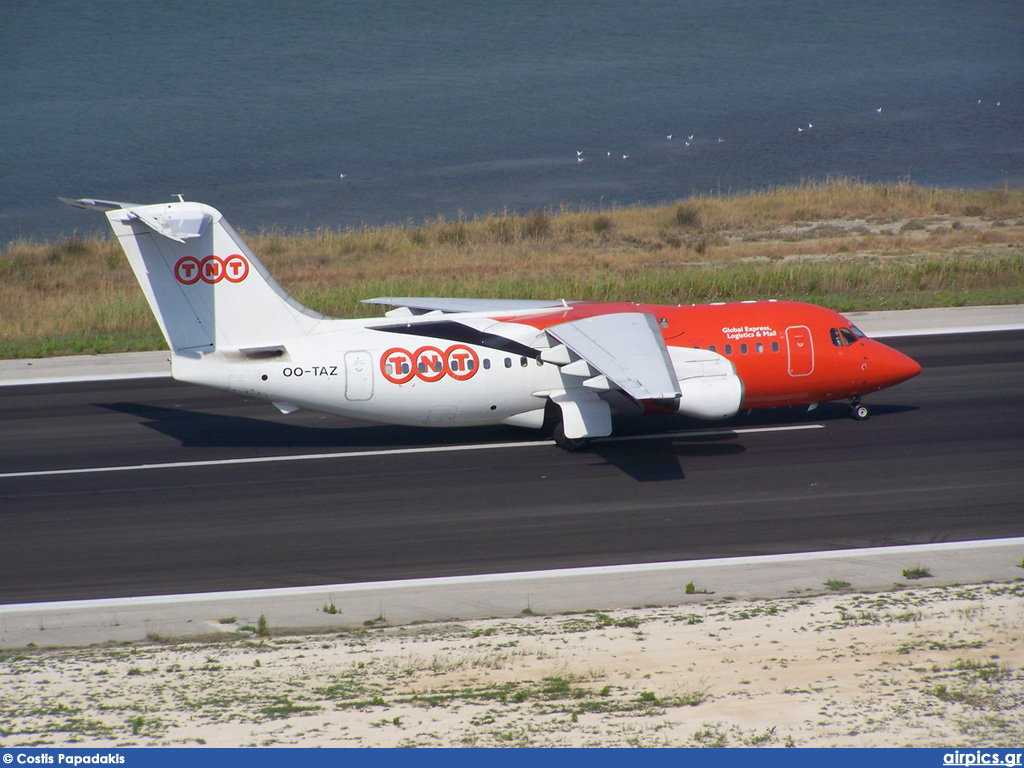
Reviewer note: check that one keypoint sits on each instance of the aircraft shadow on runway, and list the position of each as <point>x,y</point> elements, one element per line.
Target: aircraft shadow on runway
<point>197,429</point>
<point>659,459</point>
<point>647,460</point>
<point>650,459</point>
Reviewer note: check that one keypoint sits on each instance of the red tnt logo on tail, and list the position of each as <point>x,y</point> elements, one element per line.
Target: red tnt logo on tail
<point>189,270</point>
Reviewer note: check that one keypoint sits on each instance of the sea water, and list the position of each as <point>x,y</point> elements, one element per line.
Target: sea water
<point>303,115</point>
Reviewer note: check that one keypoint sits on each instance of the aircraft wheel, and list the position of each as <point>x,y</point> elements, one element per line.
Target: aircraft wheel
<point>859,411</point>
<point>566,443</point>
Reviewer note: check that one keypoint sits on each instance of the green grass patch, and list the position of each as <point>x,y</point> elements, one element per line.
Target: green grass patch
<point>917,572</point>
<point>281,707</point>
<point>813,242</point>
<point>837,585</point>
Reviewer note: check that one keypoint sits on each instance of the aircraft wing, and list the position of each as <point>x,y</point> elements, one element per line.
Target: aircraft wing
<point>626,347</point>
<point>423,305</point>
<point>88,204</point>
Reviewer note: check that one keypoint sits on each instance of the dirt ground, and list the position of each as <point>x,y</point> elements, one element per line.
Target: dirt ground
<point>938,666</point>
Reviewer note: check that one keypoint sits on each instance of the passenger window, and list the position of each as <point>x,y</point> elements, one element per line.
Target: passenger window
<point>523,362</point>
<point>728,349</point>
<point>713,348</point>
<point>775,346</point>
<point>487,363</point>
<point>760,347</point>
<point>508,362</point>
<point>743,349</point>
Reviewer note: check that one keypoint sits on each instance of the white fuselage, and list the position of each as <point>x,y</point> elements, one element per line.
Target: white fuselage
<point>402,378</point>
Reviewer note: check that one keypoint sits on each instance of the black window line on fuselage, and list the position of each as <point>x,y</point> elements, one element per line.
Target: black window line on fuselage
<point>449,330</point>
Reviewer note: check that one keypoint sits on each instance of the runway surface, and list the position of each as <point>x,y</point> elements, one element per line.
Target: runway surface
<point>939,460</point>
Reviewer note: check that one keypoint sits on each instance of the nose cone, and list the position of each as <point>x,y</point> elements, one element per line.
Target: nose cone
<point>886,367</point>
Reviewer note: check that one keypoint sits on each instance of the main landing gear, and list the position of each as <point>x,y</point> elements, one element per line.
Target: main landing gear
<point>859,411</point>
<point>568,443</point>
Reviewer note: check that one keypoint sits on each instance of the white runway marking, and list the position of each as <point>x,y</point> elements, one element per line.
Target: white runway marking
<point>393,452</point>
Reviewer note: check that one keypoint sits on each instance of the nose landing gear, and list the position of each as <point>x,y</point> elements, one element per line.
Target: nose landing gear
<point>859,411</point>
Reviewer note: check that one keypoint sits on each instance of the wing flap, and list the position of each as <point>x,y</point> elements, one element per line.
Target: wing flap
<point>627,348</point>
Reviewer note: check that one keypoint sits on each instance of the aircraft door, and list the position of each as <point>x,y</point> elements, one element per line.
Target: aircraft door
<point>801,350</point>
<point>358,376</point>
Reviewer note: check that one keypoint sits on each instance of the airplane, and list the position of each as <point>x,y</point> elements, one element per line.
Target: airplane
<point>445,362</point>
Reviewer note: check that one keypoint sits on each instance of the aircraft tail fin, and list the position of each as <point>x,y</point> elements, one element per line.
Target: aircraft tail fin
<point>207,290</point>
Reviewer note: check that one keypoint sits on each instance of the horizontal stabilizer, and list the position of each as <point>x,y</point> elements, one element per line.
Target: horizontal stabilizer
<point>179,221</point>
<point>176,221</point>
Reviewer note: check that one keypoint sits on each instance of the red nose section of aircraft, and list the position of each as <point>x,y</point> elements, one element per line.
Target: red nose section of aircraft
<point>887,367</point>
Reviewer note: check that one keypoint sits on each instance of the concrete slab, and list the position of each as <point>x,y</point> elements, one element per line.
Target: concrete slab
<point>920,322</point>
<point>87,622</point>
<point>48,370</point>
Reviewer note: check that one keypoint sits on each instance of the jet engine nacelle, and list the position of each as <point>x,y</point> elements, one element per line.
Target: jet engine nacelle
<point>710,397</point>
<point>708,383</point>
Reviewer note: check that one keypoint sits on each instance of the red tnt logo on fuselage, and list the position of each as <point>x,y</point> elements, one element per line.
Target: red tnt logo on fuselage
<point>189,270</point>
<point>429,364</point>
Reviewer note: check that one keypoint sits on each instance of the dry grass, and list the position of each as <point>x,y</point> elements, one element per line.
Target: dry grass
<point>840,243</point>
<point>924,667</point>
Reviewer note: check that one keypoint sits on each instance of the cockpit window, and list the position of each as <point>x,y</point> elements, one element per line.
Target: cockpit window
<point>849,336</point>
<point>858,332</point>
<point>843,337</point>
